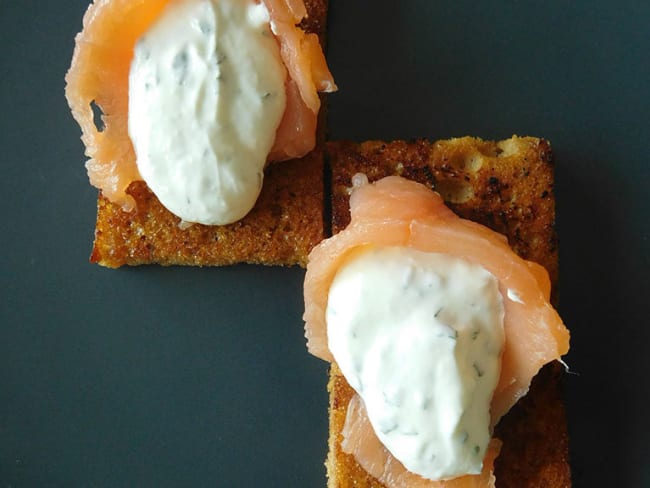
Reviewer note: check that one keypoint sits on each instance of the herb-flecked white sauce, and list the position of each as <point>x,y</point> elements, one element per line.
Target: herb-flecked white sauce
<point>419,336</point>
<point>206,95</point>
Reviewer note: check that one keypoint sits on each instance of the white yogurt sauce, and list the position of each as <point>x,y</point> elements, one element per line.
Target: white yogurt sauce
<point>419,336</point>
<point>206,95</point>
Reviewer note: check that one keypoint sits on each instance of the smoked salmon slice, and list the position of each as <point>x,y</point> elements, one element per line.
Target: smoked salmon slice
<point>296,134</point>
<point>99,72</point>
<point>399,212</point>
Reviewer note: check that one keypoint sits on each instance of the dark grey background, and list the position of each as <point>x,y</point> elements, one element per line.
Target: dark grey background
<point>179,377</point>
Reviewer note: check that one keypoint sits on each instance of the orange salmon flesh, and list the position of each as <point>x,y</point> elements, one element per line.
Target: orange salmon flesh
<point>99,75</point>
<point>399,212</point>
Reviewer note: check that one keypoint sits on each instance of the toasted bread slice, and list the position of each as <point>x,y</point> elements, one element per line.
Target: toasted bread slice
<point>284,225</point>
<point>507,186</point>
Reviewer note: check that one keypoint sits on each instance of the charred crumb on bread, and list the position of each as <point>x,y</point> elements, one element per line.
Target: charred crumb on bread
<point>316,19</point>
<point>285,224</point>
<point>507,186</point>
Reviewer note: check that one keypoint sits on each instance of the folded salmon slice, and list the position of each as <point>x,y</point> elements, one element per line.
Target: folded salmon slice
<point>398,212</point>
<point>99,74</point>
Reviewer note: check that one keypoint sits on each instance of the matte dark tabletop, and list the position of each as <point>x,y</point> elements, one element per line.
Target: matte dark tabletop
<point>200,377</point>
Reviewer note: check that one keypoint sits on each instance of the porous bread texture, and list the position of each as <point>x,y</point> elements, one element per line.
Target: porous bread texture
<point>507,186</point>
<point>283,227</point>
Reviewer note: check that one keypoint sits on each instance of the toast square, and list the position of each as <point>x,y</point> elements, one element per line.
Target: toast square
<point>285,224</point>
<point>507,186</point>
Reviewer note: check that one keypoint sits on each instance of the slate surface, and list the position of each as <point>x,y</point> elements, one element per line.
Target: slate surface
<point>178,377</point>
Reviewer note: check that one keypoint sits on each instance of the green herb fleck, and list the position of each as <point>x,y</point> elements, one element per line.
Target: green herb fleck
<point>478,370</point>
<point>409,433</point>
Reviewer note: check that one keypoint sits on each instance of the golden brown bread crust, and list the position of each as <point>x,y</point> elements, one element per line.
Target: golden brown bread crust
<point>285,224</point>
<point>507,186</point>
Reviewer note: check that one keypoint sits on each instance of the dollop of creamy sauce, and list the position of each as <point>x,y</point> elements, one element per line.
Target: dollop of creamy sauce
<point>206,96</point>
<point>419,336</point>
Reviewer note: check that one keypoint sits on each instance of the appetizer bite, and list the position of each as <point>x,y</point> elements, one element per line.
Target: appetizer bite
<point>196,98</point>
<point>435,327</point>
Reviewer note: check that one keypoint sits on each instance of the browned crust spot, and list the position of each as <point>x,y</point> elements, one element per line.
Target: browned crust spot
<point>316,20</point>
